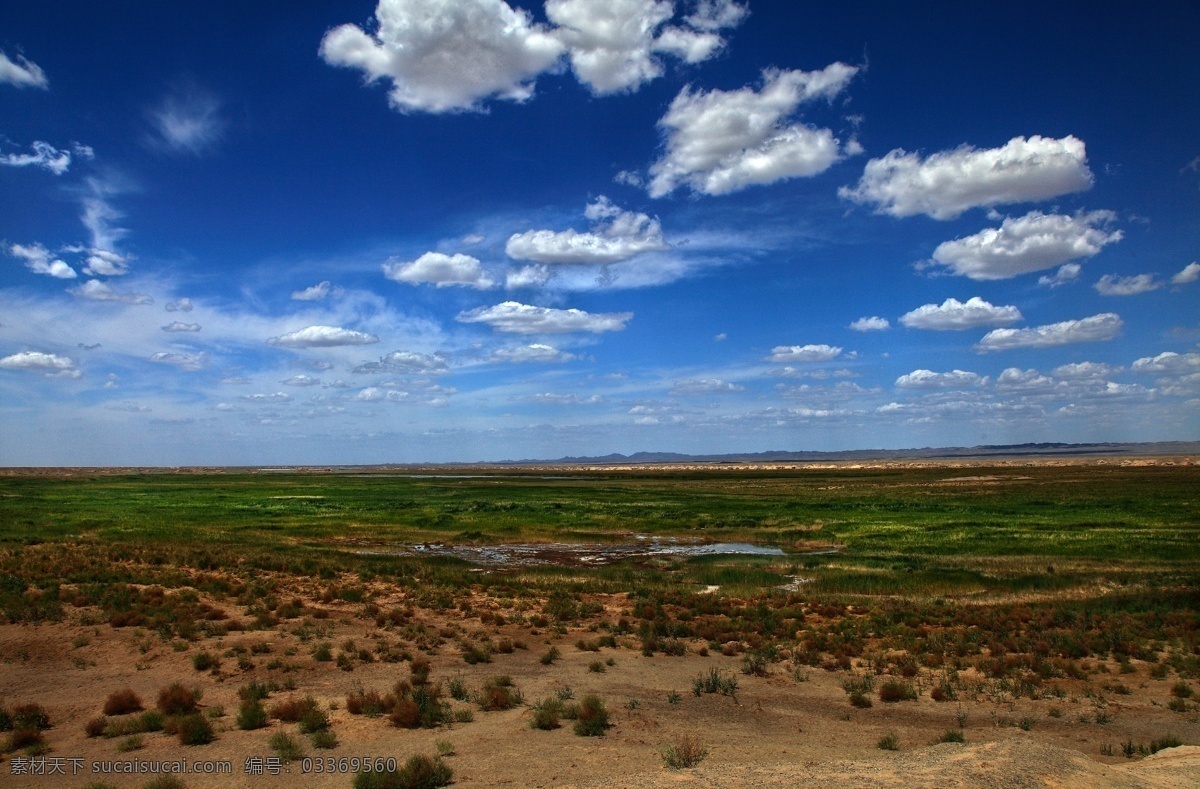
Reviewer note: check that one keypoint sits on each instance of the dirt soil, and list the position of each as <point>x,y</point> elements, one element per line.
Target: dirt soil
<point>777,731</point>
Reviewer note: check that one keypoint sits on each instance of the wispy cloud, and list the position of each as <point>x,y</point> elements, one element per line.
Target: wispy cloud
<point>188,120</point>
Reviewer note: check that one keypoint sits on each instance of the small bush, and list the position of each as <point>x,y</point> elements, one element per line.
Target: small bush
<point>122,702</point>
<point>498,693</point>
<point>96,726</point>
<point>895,690</point>
<point>203,661</point>
<point>552,654</point>
<point>28,738</point>
<point>888,742</point>
<point>368,702</point>
<point>165,782</point>
<point>951,735</point>
<point>131,743</point>
<point>195,730</point>
<point>715,682</point>
<point>546,714</point>
<point>861,701</point>
<point>685,752</point>
<point>322,652</point>
<point>30,716</point>
<point>255,691</point>
<point>292,710</point>
<point>175,699</point>
<point>419,772</point>
<point>251,715</point>
<point>314,720</point>
<point>457,688</point>
<point>286,747</point>
<point>593,717</point>
<point>596,667</point>
<point>420,668</point>
<point>1182,690</point>
<point>323,739</point>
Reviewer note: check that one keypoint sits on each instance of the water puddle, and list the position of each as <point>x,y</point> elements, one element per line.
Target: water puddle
<point>575,554</point>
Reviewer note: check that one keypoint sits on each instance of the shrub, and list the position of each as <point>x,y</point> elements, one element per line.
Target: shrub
<point>951,735</point>
<point>25,738</point>
<point>419,772</point>
<point>255,691</point>
<point>165,782</point>
<point>195,730</point>
<point>175,699</point>
<point>322,652</point>
<point>292,710</point>
<point>498,693</point>
<point>251,715</point>
<point>943,692</point>
<point>368,702</point>
<point>861,701</point>
<point>131,743</point>
<point>715,682</point>
<point>30,716</point>
<point>457,688</point>
<point>121,702</point>
<point>286,747</point>
<point>313,720</point>
<point>685,752</point>
<point>96,726</point>
<point>755,664</point>
<point>552,654</point>
<point>203,661</point>
<point>596,667</point>
<point>420,670</point>
<point>1182,690</point>
<point>545,715</point>
<point>895,690</point>
<point>593,717</point>
<point>888,742</point>
<point>324,739</point>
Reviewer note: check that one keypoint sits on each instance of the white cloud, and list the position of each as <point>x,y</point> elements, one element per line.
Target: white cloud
<point>616,235</point>
<point>1189,273</point>
<point>724,141</point>
<point>95,290</point>
<point>188,121</point>
<point>1112,285</point>
<point>1033,242</point>
<point>447,55</point>
<point>1169,363</point>
<point>1084,371</point>
<point>407,362</point>
<point>22,73</point>
<point>693,386</point>
<point>322,337</point>
<point>302,380</point>
<point>927,379</point>
<point>317,292</point>
<point>44,155</point>
<point>612,43</point>
<point>947,183</point>
<point>130,407</point>
<point>177,326</point>
<point>535,352</point>
<point>266,399</point>
<point>954,315</point>
<point>50,364</point>
<point>184,361</point>
<point>551,398</point>
<point>441,270</point>
<point>804,353</point>
<point>1016,379</point>
<point>528,277</point>
<point>512,316</point>
<point>37,259</point>
<point>179,305</point>
<point>873,323</point>
<point>106,263</point>
<point>1097,328</point>
<point>1067,272</point>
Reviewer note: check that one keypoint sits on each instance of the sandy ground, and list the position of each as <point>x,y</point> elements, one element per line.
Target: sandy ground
<point>776,732</point>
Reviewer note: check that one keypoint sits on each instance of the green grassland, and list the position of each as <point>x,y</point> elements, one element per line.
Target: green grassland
<point>897,530</point>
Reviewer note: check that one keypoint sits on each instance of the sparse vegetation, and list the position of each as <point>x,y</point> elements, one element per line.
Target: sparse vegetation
<point>419,772</point>
<point>684,752</point>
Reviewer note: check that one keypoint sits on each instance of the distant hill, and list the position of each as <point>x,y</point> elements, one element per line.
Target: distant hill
<point>1044,449</point>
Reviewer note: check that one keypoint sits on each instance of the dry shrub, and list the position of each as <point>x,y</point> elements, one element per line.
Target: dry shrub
<point>96,726</point>
<point>685,752</point>
<point>292,710</point>
<point>175,699</point>
<point>122,702</point>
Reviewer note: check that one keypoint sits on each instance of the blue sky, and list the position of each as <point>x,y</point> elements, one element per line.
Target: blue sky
<point>457,230</point>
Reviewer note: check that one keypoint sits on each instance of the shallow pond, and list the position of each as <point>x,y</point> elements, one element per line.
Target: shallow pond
<point>575,554</point>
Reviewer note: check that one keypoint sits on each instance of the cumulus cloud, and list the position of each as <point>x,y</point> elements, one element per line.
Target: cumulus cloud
<point>1189,273</point>
<point>177,326</point>
<point>528,277</point>
<point>44,155</point>
<point>612,44</point>
<point>804,353</point>
<point>954,315</point>
<point>517,318</point>
<point>266,399</point>
<point>697,386</point>
<point>1112,285</point>
<point>552,398</point>
<point>871,324</point>
<point>1033,242</point>
<point>616,235</point>
<point>1097,328</point>
<point>317,292</point>
<point>447,55</point>
<point>719,142</point>
<point>322,337</point>
<point>927,379</point>
<point>22,73</point>
<point>95,290</point>
<point>188,120</point>
<point>184,361</point>
<point>1169,363</point>
<point>406,362</point>
<point>535,352</point>
<point>38,260</point>
<point>1084,371</point>
<point>106,263</point>
<point>440,270</point>
<point>302,380</point>
<point>1067,272</point>
<point>179,305</point>
<point>49,364</point>
<point>947,183</point>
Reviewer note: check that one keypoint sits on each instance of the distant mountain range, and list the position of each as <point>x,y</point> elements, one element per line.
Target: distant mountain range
<point>783,456</point>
